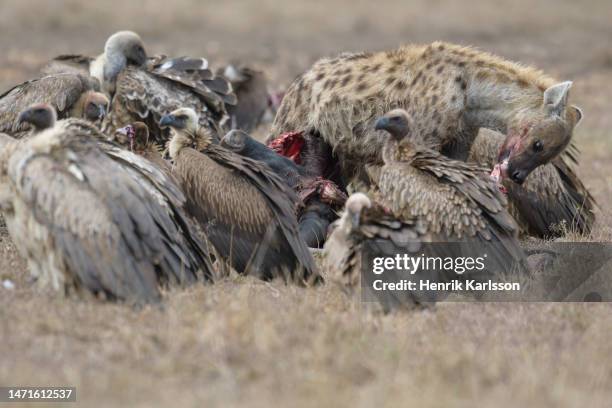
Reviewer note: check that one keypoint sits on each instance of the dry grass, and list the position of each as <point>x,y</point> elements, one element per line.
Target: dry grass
<point>245,342</point>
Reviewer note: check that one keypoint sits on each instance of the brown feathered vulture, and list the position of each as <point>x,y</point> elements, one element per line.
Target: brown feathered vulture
<point>251,89</point>
<point>364,231</point>
<point>88,215</point>
<point>247,212</point>
<point>70,94</point>
<point>455,199</point>
<point>144,89</point>
<point>552,200</point>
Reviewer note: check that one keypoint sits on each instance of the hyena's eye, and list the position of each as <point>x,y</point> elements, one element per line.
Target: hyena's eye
<point>538,146</point>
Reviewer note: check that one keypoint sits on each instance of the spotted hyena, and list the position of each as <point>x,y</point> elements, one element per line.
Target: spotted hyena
<point>450,91</point>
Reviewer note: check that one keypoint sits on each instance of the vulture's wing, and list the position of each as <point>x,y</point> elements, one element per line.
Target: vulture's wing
<point>249,212</point>
<point>185,256</point>
<point>472,182</point>
<point>106,256</point>
<point>153,173</point>
<point>68,64</point>
<point>194,74</point>
<point>60,91</point>
<point>163,188</point>
<point>380,234</point>
<point>582,203</point>
<point>461,198</point>
<point>552,195</point>
<point>106,226</point>
<point>148,94</point>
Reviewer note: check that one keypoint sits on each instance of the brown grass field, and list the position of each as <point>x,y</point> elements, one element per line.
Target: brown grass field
<point>244,342</point>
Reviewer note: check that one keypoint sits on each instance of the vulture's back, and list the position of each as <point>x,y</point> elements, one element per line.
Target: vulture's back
<point>108,232</point>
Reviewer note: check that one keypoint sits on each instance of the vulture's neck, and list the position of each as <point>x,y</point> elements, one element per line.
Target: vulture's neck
<point>198,139</point>
<point>113,63</point>
<point>391,150</point>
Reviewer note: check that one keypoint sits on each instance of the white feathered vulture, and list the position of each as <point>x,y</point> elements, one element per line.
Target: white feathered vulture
<point>90,216</point>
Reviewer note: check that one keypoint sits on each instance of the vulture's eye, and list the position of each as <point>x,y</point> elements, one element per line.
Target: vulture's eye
<point>538,146</point>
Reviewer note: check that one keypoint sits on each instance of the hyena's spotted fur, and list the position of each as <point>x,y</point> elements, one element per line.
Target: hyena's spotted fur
<point>450,92</point>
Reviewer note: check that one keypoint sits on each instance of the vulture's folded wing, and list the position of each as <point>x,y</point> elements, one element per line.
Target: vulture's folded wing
<point>68,64</point>
<point>105,255</point>
<point>60,91</point>
<point>146,96</point>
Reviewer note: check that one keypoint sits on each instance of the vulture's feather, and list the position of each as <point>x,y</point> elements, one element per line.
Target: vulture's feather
<point>552,196</point>
<point>61,91</point>
<point>366,229</point>
<point>456,200</point>
<point>89,215</point>
<point>147,93</point>
<point>143,88</point>
<point>251,89</point>
<point>75,64</point>
<point>247,211</point>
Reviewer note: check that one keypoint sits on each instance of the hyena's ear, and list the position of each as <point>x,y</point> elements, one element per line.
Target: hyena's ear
<point>555,98</point>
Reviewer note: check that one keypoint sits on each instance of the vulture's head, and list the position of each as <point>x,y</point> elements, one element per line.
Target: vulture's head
<point>128,46</point>
<point>185,130</point>
<point>134,136</point>
<point>40,116</point>
<point>235,140</point>
<point>396,122</point>
<point>183,120</point>
<point>95,106</point>
<point>353,208</point>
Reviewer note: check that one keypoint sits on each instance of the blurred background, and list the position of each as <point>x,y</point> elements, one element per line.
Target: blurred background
<point>568,39</point>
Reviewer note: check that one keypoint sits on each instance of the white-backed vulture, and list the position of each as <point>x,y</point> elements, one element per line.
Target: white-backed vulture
<point>89,216</point>
<point>552,200</point>
<point>144,89</point>
<point>366,226</point>
<point>71,95</point>
<point>247,212</point>
<point>454,198</point>
<point>251,89</point>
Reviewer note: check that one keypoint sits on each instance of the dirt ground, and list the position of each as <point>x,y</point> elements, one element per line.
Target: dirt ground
<point>244,342</point>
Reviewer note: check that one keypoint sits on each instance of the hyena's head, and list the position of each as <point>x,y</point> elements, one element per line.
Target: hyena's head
<point>538,136</point>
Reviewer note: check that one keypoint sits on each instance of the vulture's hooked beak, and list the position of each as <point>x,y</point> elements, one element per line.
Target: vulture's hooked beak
<point>167,121</point>
<point>381,124</point>
<point>24,116</point>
